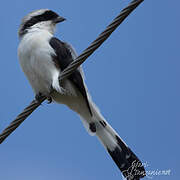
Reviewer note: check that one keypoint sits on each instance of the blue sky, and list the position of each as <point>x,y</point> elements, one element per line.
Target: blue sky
<point>133,78</point>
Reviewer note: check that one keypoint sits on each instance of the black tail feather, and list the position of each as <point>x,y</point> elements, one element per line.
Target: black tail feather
<point>127,161</point>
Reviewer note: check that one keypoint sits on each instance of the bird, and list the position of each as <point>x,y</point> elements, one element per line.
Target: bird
<point>42,58</point>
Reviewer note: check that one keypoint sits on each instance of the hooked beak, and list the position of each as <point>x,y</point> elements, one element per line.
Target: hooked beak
<point>59,19</point>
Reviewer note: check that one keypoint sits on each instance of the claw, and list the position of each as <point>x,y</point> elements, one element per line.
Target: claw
<point>49,99</point>
<point>38,97</point>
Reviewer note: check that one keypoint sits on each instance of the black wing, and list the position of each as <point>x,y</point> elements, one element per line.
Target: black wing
<point>62,59</point>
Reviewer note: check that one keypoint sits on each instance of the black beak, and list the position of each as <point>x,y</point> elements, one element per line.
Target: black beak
<point>59,19</point>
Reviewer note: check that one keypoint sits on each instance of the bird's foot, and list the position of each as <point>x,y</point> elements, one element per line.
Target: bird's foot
<point>38,97</point>
<point>49,99</point>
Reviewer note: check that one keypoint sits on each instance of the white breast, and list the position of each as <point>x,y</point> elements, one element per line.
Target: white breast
<point>35,59</point>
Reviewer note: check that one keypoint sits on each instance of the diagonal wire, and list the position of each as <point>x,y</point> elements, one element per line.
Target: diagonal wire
<point>73,66</point>
<point>101,38</point>
<point>20,118</point>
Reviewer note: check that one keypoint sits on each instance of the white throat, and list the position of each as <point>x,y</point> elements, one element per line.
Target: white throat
<point>47,26</point>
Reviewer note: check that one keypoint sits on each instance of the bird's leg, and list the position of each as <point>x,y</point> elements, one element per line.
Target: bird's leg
<point>38,97</point>
<point>49,99</point>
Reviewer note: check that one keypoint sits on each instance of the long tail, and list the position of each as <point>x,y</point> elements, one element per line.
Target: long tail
<point>128,163</point>
<point>125,159</point>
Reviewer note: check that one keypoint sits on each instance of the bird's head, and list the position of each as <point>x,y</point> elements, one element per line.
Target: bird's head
<point>40,19</point>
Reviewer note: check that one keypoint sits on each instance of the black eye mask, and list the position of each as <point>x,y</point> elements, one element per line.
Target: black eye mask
<point>46,16</point>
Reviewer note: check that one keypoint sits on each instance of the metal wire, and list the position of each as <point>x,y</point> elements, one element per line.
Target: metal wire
<point>101,38</point>
<point>20,118</point>
<point>73,66</point>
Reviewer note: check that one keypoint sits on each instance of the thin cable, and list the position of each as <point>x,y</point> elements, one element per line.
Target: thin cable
<point>101,38</point>
<point>73,66</point>
<point>20,118</point>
